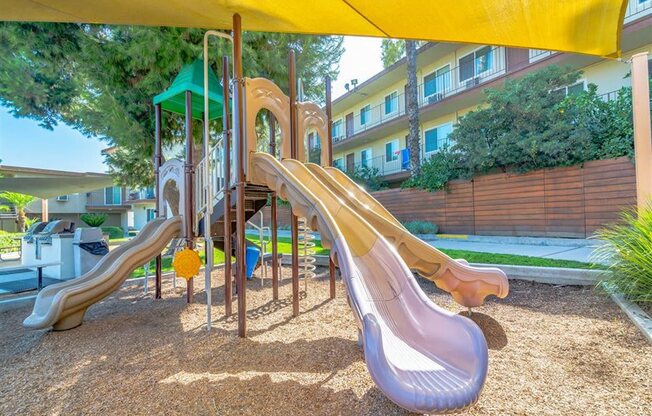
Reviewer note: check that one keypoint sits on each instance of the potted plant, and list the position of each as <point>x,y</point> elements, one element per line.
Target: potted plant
<point>95,220</point>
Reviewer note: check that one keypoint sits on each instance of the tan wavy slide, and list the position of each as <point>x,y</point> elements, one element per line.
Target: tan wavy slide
<point>468,285</point>
<point>424,358</point>
<point>63,305</point>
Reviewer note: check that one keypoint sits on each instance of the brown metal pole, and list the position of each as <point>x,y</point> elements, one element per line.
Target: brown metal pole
<point>274,216</point>
<point>273,237</point>
<point>189,168</point>
<point>158,161</point>
<point>241,151</point>
<point>294,151</point>
<point>329,143</point>
<point>226,124</point>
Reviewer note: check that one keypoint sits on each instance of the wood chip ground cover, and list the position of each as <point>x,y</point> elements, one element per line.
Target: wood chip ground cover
<point>553,351</point>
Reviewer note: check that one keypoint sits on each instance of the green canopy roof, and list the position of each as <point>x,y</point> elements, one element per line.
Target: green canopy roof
<point>191,78</point>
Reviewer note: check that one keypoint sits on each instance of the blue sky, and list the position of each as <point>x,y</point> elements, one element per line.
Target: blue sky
<point>24,143</point>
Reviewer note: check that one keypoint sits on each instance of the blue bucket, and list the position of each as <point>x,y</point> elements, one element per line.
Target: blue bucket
<point>253,253</point>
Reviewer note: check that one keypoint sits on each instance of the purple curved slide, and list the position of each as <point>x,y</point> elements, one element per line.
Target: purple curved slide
<point>422,357</point>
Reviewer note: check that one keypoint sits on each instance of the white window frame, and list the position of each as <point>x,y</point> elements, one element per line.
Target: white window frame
<point>582,81</point>
<point>120,194</point>
<point>370,156</point>
<point>394,111</point>
<point>368,114</point>
<point>341,121</point>
<point>447,89</point>
<point>494,51</point>
<point>537,54</point>
<point>439,139</point>
<point>394,156</point>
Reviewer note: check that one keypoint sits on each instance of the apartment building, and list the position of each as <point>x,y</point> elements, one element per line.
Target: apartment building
<point>124,207</point>
<point>370,124</point>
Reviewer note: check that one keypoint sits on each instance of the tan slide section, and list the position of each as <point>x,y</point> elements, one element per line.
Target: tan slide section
<point>468,285</point>
<point>63,305</point>
<point>424,358</point>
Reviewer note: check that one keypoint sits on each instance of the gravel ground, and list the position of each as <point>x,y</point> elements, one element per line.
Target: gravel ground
<point>553,351</point>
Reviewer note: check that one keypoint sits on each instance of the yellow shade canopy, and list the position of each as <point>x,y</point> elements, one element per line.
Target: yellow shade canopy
<point>583,26</point>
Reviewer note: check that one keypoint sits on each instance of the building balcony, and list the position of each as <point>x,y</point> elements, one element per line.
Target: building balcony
<point>391,170</point>
<point>141,195</point>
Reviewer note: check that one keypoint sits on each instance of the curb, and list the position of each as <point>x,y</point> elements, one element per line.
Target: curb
<point>635,314</point>
<point>549,275</point>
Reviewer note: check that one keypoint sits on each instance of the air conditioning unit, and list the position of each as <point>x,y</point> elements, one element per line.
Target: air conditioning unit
<point>472,82</point>
<point>435,97</point>
<point>62,198</point>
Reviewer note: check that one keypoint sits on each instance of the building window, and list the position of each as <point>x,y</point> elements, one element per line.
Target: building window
<point>339,163</point>
<point>391,151</point>
<point>365,158</point>
<point>476,63</point>
<point>151,214</point>
<point>437,82</point>
<point>573,89</point>
<point>365,114</point>
<point>536,54</point>
<point>437,138</point>
<point>391,102</point>
<point>113,195</point>
<point>62,198</point>
<point>337,128</point>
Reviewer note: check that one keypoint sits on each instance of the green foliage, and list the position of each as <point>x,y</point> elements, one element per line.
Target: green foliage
<point>101,79</point>
<point>20,201</point>
<point>421,227</point>
<point>31,221</point>
<point>368,177</point>
<point>93,219</point>
<point>391,50</point>
<point>627,247</point>
<point>113,232</point>
<point>8,240</point>
<point>436,171</point>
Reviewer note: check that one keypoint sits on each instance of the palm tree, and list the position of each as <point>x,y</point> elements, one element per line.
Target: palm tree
<point>20,201</point>
<point>412,91</point>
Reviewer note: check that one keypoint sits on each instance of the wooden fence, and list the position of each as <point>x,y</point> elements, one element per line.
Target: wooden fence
<point>561,202</point>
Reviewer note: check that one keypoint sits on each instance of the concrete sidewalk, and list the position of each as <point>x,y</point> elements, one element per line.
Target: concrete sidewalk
<point>553,248</point>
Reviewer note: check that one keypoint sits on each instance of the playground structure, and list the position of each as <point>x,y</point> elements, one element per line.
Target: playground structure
<point>422,357</point>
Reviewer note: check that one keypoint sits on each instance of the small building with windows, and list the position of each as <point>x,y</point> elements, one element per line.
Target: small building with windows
<point>370,125</point>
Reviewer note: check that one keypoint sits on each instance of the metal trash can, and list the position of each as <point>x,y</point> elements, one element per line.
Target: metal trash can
<point>88,248</point>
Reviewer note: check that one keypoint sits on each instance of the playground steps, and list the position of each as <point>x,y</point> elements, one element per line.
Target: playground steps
<point>255,200</point>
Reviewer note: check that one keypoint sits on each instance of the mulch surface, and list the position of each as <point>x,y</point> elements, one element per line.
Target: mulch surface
<point>553,351</point>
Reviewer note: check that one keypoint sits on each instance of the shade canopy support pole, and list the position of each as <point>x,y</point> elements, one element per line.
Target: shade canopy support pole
<point>228,272</point>
<point>642,129</point>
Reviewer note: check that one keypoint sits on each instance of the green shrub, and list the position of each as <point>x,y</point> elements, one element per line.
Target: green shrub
<point>368,177</point>
<point>436,171</point>
<point>113,232</point>
<point>627,247</point>
<point>8,239</point>
<point>421,227</point>
<point>93,220</point>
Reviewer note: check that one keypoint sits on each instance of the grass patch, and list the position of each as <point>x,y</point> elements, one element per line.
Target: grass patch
<point>284,246</point>
<point>517,260</point>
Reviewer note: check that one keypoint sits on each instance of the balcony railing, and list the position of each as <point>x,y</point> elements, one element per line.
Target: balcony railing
<point>140,194</point>
<point>384,167</point>
<point>637,9</point>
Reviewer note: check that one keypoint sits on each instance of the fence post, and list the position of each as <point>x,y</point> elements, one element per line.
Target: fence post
<point>642,129</point>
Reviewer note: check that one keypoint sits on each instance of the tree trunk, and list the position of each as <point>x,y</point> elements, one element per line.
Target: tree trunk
<point>20,219</point>
<point>412,91</point>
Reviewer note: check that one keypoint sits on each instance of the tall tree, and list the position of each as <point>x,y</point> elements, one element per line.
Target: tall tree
<point>101,79</point>
<point>391,50</point>
<point>412,91</point>
<point>20,202</point>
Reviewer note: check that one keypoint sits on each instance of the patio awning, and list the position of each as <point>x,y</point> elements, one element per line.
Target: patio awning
<point>583,26</point>
<point>45,183</point>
